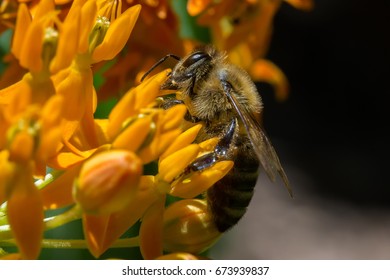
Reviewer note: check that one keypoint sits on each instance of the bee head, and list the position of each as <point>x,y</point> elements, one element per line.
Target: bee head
<point>189,70</point>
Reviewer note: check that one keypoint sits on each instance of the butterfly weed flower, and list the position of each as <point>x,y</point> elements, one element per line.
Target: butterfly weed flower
<point>126,167</point>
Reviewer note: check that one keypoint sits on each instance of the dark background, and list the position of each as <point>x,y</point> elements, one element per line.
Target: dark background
<point>331,137</point>
<point>336,121</point>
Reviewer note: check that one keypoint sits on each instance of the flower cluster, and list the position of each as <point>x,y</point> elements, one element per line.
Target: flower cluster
<point>56,153</point>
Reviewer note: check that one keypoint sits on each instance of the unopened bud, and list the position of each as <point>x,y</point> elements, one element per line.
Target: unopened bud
<point>189,227</point>
<point>107,181</point>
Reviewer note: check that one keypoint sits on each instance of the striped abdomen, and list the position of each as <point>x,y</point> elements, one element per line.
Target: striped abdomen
<point>229,198</point>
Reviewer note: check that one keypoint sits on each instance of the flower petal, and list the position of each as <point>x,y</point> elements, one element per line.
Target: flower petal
<point>151,230</point>
<point>184,139</point>
<point>67,41</point>
<point>102,231</point>
<point>58,193</point>
<point>25,213</point>
<point>134,135</point>
<point>117,35</point>
<point>107,181</point>
<point>30,54</point>
<point>195,7</point>
<point>174,164</point>
<point>133,101</point>
<point>199,182</point>
<point>23,21</point>
<point>306,5</point>
<point>88,18</point>
<point>189,227</point>
<point>265,71</point>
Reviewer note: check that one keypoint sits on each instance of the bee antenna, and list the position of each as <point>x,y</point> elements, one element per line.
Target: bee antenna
<point>158,63</point>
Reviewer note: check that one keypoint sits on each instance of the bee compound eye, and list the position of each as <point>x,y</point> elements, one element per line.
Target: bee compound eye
<point>195,57</point>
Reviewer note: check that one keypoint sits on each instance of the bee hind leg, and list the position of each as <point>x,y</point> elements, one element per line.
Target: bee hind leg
<point>222,151</point>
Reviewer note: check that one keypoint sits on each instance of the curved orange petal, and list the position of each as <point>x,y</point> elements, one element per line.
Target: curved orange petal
<point>117,35</point>
<point>102,231</point>
<point>25,213</point>
<point>44,7</point>
<point>195,7</point>
<point>30,54</point>
<point>58,193</point>
<point>189,227</point>
<point>134,135</point>
<point>75,86</point>
<point>95,229</point>
<point>88,18</point>
<point>133,101</point>
<point>174,164</point>
<point>67,41</point>
<point>150,233</point>
<point>173,117</point>
<point>23,21</point>
<point>199,182</point>
<point>64,160</point>
<point>266,71</point>
<point>305,5</point>
<point>184,139</point>
<point>160,142</point>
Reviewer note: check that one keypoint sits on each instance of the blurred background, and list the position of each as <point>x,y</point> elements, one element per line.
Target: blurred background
<point>332,138</point>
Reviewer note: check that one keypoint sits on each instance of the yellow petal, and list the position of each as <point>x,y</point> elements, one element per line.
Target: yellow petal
<point>134,135</point>
<point>158,145</point>
<point>30,54</point>
<point>43,8</point>
<point>132,102</point>
<point>195,7</point>
<point>174,164</point>
<point>23,21</point>
<point>88,18</point>
<point>173,117</point>
<point>76,88</point>
<point>22,147</point>
<point>67,41</point>
<point>117,35</point>
<point>184,139</point>
<point>199,182</point>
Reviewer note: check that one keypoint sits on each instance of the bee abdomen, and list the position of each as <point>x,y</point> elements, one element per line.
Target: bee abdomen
<point>229,198</point>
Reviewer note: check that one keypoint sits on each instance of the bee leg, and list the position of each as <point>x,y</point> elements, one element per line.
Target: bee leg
<point>168,103</point>
<point>222,151</point>
<point>224,146</point>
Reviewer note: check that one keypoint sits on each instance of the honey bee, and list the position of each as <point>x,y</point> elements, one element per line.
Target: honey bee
<point>224,98</point>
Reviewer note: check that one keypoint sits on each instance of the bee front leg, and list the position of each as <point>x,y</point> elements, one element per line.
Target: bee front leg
<point>170,102</point>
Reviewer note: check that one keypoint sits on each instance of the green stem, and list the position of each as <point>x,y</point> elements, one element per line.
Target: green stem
<point>49,178</point>
<point>72,214</point>
<point>75,243</point>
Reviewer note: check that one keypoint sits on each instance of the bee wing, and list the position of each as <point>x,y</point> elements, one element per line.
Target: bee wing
<point>260,142</point>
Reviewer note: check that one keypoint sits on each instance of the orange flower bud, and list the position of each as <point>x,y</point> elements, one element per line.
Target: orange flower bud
<point>108,181</point>
<point>189,227</point>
